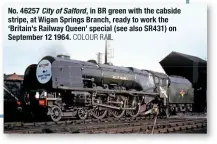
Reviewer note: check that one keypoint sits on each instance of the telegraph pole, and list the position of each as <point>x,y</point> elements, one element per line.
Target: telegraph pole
<point>106,53</point>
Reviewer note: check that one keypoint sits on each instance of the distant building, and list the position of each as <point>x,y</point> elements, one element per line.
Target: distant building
<point>13,77</point>
<point>13,84</point>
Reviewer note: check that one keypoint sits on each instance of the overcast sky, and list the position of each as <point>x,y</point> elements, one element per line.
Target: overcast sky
<point>141,50</point>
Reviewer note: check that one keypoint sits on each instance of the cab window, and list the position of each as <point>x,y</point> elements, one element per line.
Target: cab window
<point>161,82</point>
<point>156,80</point>
<point>151,79</point>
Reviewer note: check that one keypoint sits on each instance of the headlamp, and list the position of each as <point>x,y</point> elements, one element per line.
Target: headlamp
<point>45,94</point>
<point>37,95</point>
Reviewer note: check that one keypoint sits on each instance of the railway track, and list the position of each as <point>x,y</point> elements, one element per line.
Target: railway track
<point>22,125</point>
<point>146,128</point>
<point>109,125</point>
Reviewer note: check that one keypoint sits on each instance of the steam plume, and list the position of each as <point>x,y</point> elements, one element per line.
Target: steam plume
<point>55,49</point>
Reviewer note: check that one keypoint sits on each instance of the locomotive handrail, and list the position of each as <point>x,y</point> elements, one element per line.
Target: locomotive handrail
<point>106,91</point>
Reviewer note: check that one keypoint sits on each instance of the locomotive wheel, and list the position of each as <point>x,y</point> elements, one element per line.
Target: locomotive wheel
<point>172,110</point>
<point>134,113</point>
<point>109,113</point>
<point>189,107</point>
<point>99,112</point>
<point>82,113</point>
<point>182,108</point>
<point>118,113</point>
<point>56,113</point>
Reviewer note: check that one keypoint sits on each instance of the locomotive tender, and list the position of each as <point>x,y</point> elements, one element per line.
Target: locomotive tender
<point>62,87</point>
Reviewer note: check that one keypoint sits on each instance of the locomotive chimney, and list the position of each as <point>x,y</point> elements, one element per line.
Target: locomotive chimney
<point>63,56</point>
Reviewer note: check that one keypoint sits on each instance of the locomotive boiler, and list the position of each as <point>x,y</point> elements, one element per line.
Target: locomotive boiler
<point>61,87</point>
<point>55,72</point>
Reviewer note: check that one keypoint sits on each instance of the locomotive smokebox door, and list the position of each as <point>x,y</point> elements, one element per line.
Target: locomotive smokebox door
<point>43,71</point>
<point>67,74</point>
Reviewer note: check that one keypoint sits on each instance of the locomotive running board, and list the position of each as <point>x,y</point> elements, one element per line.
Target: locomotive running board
<point>107,91</point>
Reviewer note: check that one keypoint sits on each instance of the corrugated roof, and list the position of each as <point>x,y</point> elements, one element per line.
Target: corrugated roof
<point>189,57</point>
<point>184,65</point>
<point>193,58</point>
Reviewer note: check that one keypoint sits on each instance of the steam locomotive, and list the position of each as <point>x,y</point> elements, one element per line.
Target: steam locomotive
<point>60,87</point>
